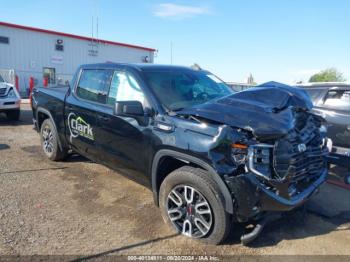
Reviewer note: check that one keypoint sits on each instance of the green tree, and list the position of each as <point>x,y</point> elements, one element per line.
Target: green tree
<point>328,75</point>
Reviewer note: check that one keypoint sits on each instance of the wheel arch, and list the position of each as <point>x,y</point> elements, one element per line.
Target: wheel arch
<point>186,160</point>
<point>41,115</point>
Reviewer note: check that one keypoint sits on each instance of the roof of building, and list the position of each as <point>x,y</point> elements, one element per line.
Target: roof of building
<point>73,36</point>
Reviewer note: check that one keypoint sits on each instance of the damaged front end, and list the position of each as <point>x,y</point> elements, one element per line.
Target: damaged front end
<point>282,174</point>
<point>277,148</point>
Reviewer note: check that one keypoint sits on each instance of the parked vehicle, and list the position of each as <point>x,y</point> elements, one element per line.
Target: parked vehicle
<point>211,156</point>
<point>10,100</point>
<point>332,102</point>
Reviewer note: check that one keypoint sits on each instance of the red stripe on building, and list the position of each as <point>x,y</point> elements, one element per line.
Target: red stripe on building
<point>73,36</point>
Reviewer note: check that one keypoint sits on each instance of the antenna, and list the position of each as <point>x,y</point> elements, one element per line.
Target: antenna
<point>92,30</point>
<point>97,30</point>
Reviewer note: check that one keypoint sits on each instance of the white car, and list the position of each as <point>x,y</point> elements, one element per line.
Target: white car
<point>10,100</point>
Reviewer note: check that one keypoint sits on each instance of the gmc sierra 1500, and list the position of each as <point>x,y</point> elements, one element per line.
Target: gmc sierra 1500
<point>211,156</point>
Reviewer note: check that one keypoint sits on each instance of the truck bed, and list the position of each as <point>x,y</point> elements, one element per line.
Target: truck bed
<point>52,101</point>
<point>58,92</point>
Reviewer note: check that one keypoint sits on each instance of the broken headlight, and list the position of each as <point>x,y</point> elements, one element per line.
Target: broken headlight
<point>260,160</point>
<point>239,153</point>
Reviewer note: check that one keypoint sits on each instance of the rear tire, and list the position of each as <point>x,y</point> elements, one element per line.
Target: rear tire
<point>49,142</point>
<point>198,210</point>
<point>13,115</point>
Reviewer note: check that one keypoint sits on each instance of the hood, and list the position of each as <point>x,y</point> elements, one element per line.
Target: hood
<point>5,89</point>
<point>4,84</point>
<point>267,111</point>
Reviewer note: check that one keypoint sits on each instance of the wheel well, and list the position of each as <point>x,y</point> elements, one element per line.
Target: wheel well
<point>41,118</point>
<point>168,164</point>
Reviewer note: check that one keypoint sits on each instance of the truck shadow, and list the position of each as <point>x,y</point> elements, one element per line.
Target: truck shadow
<point>320,216</point>
<point>76,158</point>
<point>300,226</point>
<point>116,250</point>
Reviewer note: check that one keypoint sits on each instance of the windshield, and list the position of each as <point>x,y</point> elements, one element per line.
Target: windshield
<point>1,79</point>
<point>181,89</point>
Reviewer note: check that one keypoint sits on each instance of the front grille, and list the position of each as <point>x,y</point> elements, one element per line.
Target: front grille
<point>300,154</point>
<point>3,91</point>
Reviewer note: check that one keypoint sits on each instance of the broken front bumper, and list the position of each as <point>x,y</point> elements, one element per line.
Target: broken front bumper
<point>252,197</point>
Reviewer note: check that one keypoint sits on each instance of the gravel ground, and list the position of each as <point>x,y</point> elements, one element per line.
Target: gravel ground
<point>81,208</point>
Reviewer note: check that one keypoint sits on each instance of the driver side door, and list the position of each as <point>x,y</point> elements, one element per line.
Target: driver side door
<point>123,142</point>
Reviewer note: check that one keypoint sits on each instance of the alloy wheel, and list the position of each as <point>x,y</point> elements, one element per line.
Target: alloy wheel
<point>48,140</point>
<point>189,211</point>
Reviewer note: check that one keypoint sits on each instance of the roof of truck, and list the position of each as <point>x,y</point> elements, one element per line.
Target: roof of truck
<point>141,67</point>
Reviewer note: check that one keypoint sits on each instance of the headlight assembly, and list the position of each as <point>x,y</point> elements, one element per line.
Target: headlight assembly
<point>11,94</point>
<point>239,153</point>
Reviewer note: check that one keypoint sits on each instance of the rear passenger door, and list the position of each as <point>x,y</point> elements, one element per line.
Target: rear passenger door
<point>336,110</point>
<point>89,95</point>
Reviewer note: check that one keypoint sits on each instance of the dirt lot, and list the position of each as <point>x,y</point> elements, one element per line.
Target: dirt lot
<point>82,208</point>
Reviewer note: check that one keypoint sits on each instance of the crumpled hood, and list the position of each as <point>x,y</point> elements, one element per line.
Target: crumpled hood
<point>266,111</point>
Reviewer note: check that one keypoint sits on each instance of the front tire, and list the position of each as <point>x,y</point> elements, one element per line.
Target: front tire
<point>13,115</point>
<point>49,141</point>
<point>192,204</point>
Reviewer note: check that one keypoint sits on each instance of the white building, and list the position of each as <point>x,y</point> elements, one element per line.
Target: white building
<point>32,52</point>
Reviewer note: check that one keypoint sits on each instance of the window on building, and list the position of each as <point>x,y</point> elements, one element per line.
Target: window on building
<point>50,75</point>
<point>94,85</point>
<point>4,40</point>
<point>124,87</point>
<point>59,47</point>
<point>338,99</point>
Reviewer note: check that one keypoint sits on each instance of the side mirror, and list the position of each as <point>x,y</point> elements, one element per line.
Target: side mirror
<point>129,108</point>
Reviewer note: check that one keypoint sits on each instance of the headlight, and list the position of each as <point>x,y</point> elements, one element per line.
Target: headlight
<point>11,94</point>
<point>239,153</point>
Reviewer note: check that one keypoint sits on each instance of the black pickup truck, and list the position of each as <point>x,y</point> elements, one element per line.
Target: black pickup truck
<point>211,156</point>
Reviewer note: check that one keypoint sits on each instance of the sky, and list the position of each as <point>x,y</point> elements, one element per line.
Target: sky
<point>280,40</point>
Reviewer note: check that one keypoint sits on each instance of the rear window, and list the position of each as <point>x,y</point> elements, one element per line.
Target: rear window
<point>94,85</point>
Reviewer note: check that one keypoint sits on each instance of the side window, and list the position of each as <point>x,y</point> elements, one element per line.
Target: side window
<point>338,99</point>
<point>94,85</point>
<point>124,87</point>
